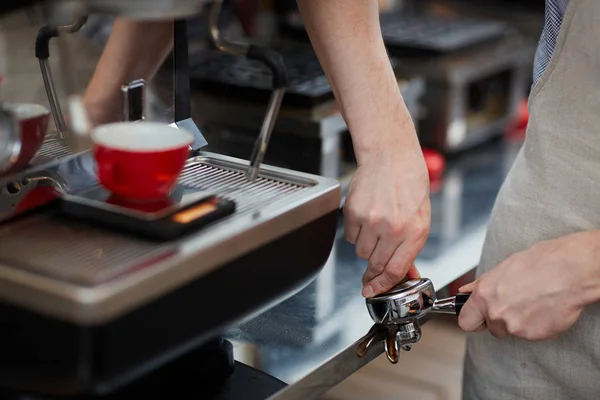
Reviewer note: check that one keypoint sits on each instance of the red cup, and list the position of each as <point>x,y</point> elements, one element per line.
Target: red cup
<point>33,124</point>
<point>140,160</point>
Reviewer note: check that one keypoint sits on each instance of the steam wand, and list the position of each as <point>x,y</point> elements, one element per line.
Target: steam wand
<point>42,53</point>
<point>274,61</point>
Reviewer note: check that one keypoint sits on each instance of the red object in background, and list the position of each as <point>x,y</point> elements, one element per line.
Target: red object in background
<point>140,161</point>
<point>33,123</point>
<point>518,128</point>
<point>436,165</point>
<point>38,196</point>
<point>33,133</point>
<point>246,12</point>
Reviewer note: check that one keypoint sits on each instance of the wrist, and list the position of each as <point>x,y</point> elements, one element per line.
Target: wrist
<point>391,140</point>
<point>587,248</point>
<point>381,124</point>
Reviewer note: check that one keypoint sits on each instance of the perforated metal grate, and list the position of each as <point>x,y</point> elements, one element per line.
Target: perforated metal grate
<point>54,149</point>
<point>231,184</point>
<point>71,251</point>
<point>75,252</point>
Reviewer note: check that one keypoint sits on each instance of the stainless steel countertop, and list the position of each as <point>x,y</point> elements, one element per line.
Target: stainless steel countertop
<point>310,340</point>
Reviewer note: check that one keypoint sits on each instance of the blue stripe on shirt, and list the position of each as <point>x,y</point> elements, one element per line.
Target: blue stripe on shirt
<point>555,10</point>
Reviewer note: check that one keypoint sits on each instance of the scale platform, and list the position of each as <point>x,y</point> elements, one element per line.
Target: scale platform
<point>188,209</point>
<point>85,308</point>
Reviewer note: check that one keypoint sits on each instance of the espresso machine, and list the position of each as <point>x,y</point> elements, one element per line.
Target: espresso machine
<point>91,309</point>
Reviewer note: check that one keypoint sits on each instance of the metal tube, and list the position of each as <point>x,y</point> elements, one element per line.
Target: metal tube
<point>214,34</point>
<point>57,114</point>
<point>444,306</point>
<point>262,142</point>
<point>74,27</point>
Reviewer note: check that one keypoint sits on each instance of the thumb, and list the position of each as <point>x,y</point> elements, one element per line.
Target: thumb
<point>468,288</point>
<point>387,280</point>
<point>413,272</point>
<point>471,318</point>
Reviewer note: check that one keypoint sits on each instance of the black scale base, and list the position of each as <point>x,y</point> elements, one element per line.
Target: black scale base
<point>208,373</point>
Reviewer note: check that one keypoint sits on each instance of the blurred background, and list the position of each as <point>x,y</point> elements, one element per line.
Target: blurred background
<point>463,66</point>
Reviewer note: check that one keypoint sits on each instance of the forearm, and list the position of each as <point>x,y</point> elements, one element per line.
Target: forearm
<point>135,50</point>
<point>347,38</point>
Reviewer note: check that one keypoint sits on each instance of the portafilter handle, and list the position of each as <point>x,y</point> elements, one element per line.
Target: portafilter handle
<point>450,305</point>
<point>274,61</point>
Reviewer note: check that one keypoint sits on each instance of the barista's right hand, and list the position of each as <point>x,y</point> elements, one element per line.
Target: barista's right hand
<point>387,214</point>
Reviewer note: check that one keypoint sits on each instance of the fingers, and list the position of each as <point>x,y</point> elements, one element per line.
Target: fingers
<point>351,229</point>
<point>388,236</point>
<point>481,328</point>
<point>413,273</point>
<point>366,243</point>
<point>498,329</point>
<point>379,259</point>
<point>468,288</point>
<point>475,317</point>
<point>471,318</point>
<point>395,270</point>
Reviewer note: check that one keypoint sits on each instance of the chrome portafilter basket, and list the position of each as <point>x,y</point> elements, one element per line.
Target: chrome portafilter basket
<point>397,315</point>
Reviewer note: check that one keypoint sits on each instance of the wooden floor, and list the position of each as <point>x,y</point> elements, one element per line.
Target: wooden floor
<point>432,370</point>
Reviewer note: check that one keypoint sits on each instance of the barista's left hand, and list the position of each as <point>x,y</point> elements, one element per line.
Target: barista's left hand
<point>536,294</point>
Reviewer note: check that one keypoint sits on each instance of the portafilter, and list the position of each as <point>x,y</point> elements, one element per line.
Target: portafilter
<point>397,315</point>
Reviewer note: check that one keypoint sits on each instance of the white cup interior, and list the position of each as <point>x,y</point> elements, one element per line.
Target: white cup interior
<point>141,136</point>
<point>24,111</point>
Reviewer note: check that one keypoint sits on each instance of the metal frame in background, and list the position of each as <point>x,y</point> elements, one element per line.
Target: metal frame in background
<point>181,85</point>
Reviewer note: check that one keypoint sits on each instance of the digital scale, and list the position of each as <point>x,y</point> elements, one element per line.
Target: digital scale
<point>186,210</point>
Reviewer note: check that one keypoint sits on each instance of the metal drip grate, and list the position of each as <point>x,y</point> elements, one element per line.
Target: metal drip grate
<point>54,149</point>
<point>72,251</point>
<point>79,253</point>
<point>231,184</point>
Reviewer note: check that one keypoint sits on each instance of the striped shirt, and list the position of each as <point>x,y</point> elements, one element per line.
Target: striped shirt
<point>555,10</point>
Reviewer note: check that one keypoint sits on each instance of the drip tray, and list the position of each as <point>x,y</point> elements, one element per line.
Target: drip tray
<point>53,149</point>
<point>88,275</point>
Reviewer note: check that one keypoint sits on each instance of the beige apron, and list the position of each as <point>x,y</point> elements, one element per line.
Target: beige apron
<point>553,189</point>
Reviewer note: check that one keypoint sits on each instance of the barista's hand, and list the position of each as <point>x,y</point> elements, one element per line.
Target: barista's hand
<point>387,215</point>
<point>536,294</point>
